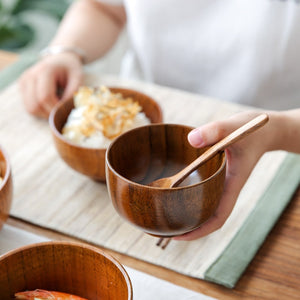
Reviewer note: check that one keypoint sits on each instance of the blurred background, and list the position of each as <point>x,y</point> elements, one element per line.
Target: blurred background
<point>27,26</point>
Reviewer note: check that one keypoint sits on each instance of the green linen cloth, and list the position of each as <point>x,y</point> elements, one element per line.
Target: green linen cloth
<point>228,268</point>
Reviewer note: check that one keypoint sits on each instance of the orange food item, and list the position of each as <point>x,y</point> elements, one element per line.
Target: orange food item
<point>45,295</point>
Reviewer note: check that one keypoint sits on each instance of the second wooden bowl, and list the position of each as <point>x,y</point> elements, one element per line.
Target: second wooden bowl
<point>144,154</point>
<point>6,187</point>
<point>72,268</point>
<point>91,161</point>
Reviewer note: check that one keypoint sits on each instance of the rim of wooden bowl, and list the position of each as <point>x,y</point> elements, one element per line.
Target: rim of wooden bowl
<point>76,245</point>
<point>8,167</point>
<point>219,170</point>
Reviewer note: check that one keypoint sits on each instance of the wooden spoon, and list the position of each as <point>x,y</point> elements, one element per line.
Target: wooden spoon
<point>173,181</point>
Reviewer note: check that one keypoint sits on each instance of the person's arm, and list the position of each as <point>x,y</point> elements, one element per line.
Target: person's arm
<point>88,25</point>
<point>286,134</point>
<point>282,132</point>
<point>91,26</point>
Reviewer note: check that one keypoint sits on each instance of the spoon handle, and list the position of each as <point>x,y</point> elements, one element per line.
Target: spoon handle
<point>236,135</point>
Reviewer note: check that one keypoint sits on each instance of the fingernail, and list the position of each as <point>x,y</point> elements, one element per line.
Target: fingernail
<point>195,138</point>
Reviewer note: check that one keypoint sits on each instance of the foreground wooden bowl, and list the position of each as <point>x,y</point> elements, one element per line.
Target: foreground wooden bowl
<point>66,267</point>
<point>6,187</point>
<point>91,161</point>
<point>144,154</point>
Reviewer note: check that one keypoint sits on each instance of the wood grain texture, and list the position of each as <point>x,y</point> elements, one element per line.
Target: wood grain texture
<point>73,204</point>
<point>144,154</point>
<point>67,267</point>
<point>91,161</point>
<point>274,273</point>
<point>267,276</point>
<point>6,186</point>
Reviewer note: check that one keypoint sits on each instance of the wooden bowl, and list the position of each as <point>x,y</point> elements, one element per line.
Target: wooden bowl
<point>91,161</point>
<point>6,187</point>
<point>145,154</point>
<point>66,267</point>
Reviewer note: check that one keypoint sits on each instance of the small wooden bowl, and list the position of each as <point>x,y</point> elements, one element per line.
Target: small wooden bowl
<point>91,161</point>
<point>66,267</point>
<point>6,187</point>
<point>145,154</point>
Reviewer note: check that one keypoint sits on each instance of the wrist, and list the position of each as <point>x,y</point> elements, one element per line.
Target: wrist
<point>290,120</point>
<point>58,49</point>
<point>279,132</point>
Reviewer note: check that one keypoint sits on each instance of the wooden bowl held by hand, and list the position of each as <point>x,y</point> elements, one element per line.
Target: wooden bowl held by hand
<point>145,154</point>
<point>71,268</point>
<point>91,161</point>
<point>6,187</point>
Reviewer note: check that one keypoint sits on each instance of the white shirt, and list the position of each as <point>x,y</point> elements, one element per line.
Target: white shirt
<point>244,51</point>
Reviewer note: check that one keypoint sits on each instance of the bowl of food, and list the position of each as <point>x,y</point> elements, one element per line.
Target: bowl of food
<point>142,155</point>
<point>56,269</point>
<point>83,127</point>
<point>6,187</point>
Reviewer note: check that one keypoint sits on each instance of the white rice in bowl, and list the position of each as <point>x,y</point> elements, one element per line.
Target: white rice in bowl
<point>99,116</point>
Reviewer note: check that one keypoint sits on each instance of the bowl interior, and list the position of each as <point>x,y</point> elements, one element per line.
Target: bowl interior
<point>60,115</point>
<point>150,107</point>
<point>145,154</point>
<point>66,267</point>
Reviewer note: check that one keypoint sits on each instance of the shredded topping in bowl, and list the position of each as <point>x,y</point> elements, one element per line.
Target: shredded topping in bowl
<point>100,111</point>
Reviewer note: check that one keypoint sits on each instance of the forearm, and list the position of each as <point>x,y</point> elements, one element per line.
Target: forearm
<point>91,26</point>
<point>285,132</point>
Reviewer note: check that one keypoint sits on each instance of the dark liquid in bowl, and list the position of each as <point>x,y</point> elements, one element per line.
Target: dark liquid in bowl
<point>169,170</point>
<point>148,153</point>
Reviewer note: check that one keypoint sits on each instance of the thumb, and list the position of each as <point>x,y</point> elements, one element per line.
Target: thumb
<point>210,133</point>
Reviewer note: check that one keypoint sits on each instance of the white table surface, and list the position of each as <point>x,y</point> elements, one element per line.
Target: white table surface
<point>145,287</point>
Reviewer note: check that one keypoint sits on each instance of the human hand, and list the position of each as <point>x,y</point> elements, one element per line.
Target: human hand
<point>242,156</point>
<point>40,84</point>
